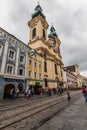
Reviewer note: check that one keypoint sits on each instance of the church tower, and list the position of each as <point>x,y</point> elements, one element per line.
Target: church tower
<point>38,26</point>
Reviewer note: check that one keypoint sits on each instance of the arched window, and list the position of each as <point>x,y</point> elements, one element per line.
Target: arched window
<point>34,33</point>
<point>21,71</point>
<point>44,34</point>
<point>46,83</point>
<point>45,66</point>
<point>55,66</point>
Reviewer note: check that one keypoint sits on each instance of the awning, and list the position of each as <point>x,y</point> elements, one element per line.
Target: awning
<point>39,83</point>
<point>32,83</point>
<point>35,83</point>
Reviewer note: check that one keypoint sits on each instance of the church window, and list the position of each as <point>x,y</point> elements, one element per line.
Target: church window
<point>35,64</point>
<point>46,83</point>
<point>39,66</point>
<point>55,69</point>
<point>45,66</point>
<point>35,74</point>
<point>30,62</point>
<point>34,33</point>
<point>44,56</point>
<point>44,34</point>
<point>61,74</point>
<point>30,73</point>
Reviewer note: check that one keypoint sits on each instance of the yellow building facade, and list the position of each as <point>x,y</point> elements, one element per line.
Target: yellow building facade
<point>45,67</point>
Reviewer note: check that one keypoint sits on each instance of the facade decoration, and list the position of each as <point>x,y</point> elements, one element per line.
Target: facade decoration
<point>13,63</point>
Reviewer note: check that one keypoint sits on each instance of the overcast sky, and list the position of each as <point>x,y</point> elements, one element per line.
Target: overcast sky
<point>69,18</point>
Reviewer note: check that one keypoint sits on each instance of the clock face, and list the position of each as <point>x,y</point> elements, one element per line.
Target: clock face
<point>32,52</point>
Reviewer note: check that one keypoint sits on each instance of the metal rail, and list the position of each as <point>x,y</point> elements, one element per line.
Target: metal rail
<point>38,109</point>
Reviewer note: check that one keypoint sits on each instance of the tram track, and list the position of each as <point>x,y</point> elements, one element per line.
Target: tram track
<point>28,107</point>
<point>13,104</point>
<point>22,108</point>
<point>32,112</point>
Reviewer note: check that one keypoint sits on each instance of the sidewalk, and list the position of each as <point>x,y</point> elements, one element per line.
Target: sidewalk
<point>72,118</point>
<point>21,98</point>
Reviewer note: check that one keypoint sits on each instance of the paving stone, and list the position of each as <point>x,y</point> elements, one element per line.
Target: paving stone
<point>49,128</point>
<point>75,128</point>
<point>72,118</point>
<point>67,127</point>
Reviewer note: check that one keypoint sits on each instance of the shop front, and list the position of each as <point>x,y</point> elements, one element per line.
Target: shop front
<point>8,83</point>
<point>35,85</point>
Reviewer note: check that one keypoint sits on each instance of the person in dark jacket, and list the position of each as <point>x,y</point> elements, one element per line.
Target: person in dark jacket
<point>68,95</point>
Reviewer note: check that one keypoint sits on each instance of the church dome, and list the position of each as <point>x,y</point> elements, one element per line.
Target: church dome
<point>38,12</point>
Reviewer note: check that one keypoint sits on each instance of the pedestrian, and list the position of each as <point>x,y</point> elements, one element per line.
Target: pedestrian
<point>13,93</point>
<point>84,91</point>
<point>25,93</point>
<point>59,91</point>
<point>68,95</point>
<point>49,92</point>
<point>41,91</point>
<point>29,93</point>
<point>17,93</point>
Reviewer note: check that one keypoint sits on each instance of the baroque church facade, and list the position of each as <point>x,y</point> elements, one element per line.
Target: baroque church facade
<point>47,47</point>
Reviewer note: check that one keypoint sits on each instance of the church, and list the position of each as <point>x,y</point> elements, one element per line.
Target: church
<point>47,66</point>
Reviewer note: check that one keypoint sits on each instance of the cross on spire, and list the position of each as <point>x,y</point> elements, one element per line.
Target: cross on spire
<point>38,2</point>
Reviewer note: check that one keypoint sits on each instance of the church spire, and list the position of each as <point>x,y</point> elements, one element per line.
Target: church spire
<point>52,32</point>
<point>38,11</point>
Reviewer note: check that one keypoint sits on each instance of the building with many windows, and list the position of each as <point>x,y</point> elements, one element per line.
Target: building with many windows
<point>72,76</point>
<point>83,80</point>
<point>13,63</point>
<point>45,68</point>
<point>70,80</point>
<point>35,72</point>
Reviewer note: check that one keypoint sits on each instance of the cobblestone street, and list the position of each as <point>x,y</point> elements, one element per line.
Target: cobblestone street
<point>72,118</point>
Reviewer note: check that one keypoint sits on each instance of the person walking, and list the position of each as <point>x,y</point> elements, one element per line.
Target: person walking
<point>68,95</point>
<point>29,93</point>
<point>17,93</point>
<point>84,91</point>
<point>25,93</point>
<point>13,93</point>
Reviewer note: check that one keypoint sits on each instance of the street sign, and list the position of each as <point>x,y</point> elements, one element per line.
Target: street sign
<point>32,52</point>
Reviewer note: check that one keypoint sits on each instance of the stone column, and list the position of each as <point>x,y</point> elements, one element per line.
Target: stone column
<point>16,64</point>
